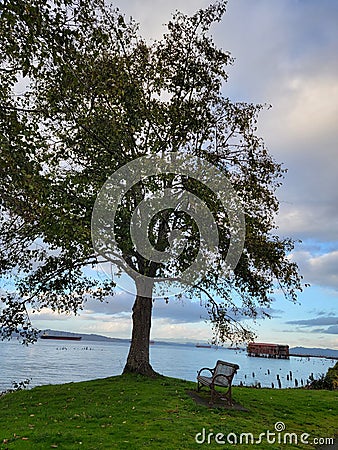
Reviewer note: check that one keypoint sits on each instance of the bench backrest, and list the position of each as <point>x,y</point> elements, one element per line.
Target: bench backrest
<point>226,369</point>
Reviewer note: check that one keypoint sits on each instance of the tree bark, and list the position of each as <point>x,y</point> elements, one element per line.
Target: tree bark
<point>138,358</point>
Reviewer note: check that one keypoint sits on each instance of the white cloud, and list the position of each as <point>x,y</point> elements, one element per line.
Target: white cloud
<point>309,221</point>
<point>313,111</point>
<point>162,329</point>
<point>48,314</point>
<point>116,327</point>
<point>319,270</point>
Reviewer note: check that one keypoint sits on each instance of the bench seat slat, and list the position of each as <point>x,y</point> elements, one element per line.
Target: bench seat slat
<point>220,381</point>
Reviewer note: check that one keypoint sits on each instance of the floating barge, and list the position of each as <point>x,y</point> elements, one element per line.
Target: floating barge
<point>263,350</point>
<point>61,338</point>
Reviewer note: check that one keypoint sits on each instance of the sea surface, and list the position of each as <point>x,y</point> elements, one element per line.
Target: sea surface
<point>57,362</point>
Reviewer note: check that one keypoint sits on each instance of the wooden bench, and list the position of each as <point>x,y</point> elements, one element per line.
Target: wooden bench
<point>221,375</point>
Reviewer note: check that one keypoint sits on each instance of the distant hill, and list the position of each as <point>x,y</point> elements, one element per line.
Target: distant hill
<point>327,352</point>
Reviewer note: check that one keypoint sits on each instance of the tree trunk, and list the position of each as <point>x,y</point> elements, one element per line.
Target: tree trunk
<point>138,357</point>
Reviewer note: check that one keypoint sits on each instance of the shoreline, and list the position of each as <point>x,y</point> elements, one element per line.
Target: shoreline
<point>301,355</point>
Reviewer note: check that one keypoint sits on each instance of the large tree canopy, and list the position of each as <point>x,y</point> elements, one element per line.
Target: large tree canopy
<point>83,95</point>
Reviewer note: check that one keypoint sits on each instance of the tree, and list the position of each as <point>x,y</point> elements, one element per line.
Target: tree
<point>97,98</point>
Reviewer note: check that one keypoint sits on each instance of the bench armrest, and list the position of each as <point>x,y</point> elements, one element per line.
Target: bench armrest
<point>205,368</point>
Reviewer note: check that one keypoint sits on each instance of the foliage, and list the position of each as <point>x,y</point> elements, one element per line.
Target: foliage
<point>332,376</point>
<point>17,386</point>
<point>131,411</point>
<point>326,381</point>
<point>94,96</point>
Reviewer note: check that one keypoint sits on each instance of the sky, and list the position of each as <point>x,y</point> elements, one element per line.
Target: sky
<point>286,55</point>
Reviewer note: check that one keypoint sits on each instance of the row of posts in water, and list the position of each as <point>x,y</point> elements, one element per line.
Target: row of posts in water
<point>75,348</point>
<point>278,384</point>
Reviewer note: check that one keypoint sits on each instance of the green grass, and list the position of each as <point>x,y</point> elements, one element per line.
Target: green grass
<point>132,412</point>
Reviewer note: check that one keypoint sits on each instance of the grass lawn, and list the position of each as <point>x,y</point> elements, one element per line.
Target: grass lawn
<point>133,412</point>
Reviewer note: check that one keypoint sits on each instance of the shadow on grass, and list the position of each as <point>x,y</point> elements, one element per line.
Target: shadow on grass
<point>203,398</point>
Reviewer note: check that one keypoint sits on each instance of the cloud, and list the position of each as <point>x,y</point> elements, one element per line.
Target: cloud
<point>300,131</point>
<point>323,313</point>
<point>314,108</point>
<point>283,54</point>
<point>315,322</point>
<point>320,269</point>
<point>175,311</point>
<point>332,330</point>
<point>180,311</point>
<point>121,302</point>
<point>329,325</point>
<point>305,220</point>
<point>49,314</point>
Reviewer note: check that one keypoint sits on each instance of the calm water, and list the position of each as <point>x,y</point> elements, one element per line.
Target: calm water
<point>53,362</point>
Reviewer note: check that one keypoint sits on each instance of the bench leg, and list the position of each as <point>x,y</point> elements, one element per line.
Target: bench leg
<point>227,396</point>
<point>223,396</point>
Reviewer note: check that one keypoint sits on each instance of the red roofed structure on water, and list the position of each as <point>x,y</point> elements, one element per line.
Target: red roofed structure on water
<point>268,350</point>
